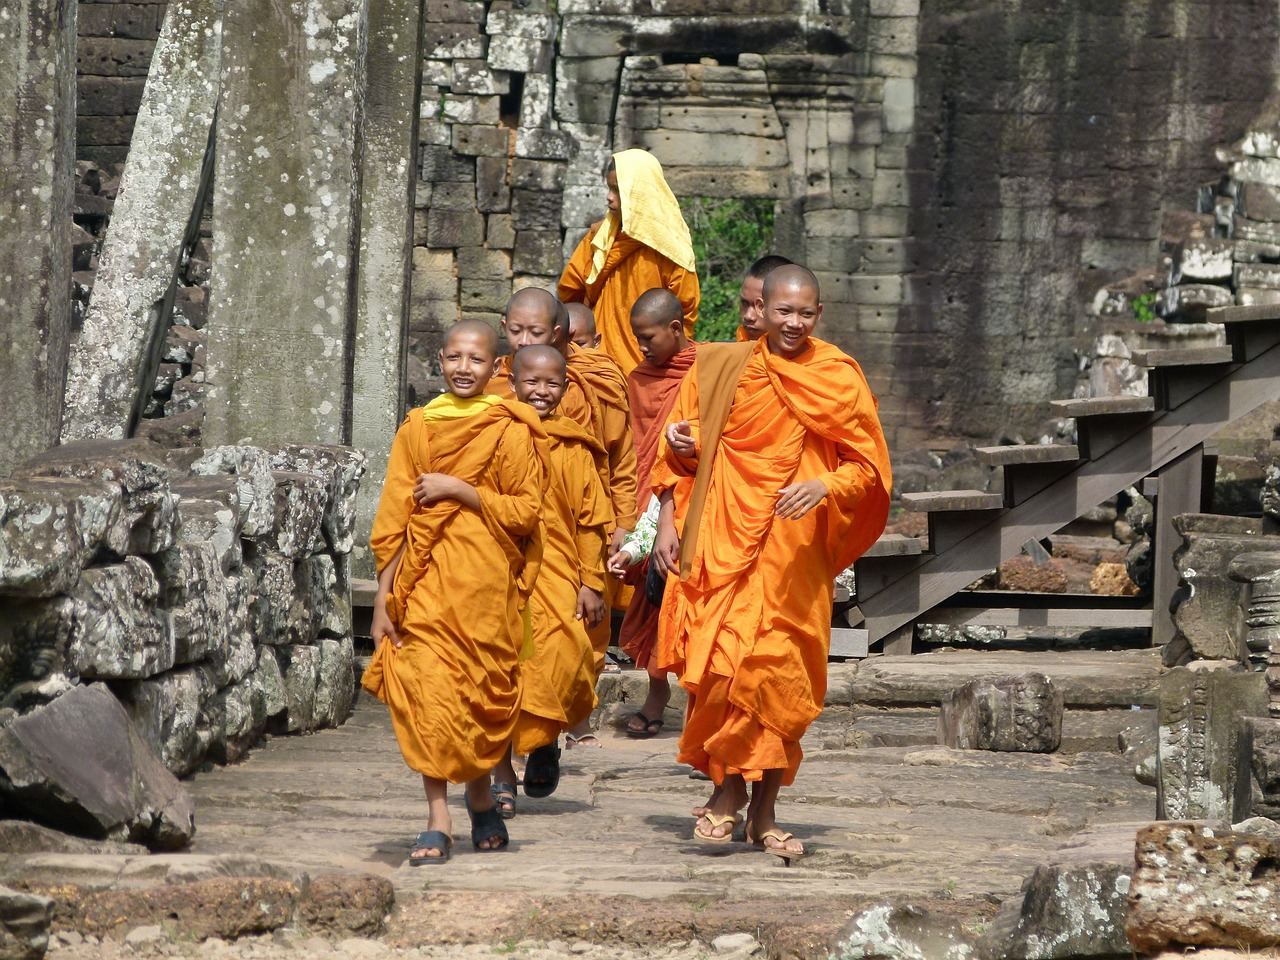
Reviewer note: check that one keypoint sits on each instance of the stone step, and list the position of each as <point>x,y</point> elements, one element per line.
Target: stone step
<point>944,500</point>
<point>896,545</point>
<point>1020,453</point>
<point>1102,406</point>
<point>1255,313</point>
<point>1088,678</point>
<point>1190,357</point>
<point>1083,730</point>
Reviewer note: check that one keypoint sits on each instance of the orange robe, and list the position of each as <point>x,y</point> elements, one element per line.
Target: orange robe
<point>560,677</point>
<point>608,388</point>
<point>630,269</point>
<point>453,687</point>
<point>748,627</point>
<point>652,391</point>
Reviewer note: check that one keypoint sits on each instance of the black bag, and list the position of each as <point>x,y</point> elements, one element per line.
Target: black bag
<point>655,583</point>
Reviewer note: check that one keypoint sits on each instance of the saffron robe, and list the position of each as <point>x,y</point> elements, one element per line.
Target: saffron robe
<point>747,625</point>
<point>629,270</point>
<point>652,391</point>
<point>608,389</point>
<point>453,687</point>
<point>560,677</point>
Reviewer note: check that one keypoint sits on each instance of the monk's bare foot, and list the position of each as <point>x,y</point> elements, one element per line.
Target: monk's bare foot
<point>771,838</point>
<point>443,824</point>
<point>711,802</point>
<point>572,740</point>
<point>721,817</point>
<point>647,721</point>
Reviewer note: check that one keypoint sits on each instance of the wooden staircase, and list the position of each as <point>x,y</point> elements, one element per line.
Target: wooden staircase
<point>1120,441</point>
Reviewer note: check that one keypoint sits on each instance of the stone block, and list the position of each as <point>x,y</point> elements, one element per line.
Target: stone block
<point>335,682</point>
<point>454,195</point>
<point>1203,259</point>
<point>544,144</point>
<point>1202,764</point>
<point>242,721</point>
<point>1020,713</point>
<point>500,232</point>
<point>439,164</point>
<point>896,930</point>
<point>1258,201</point>
<point>215,522</point>
<point>535,101</point>
<point>1189,301</point>
<point>492,195</point>
<point>268,681</point>
<point>518,23</point>
<point>519,54</point>
<point>79,765</point>
<point>535,209</point>
<point>113,629</point>
<point>455,228</point>
<point>49,529</point>
<point>300,502</point>
<point>25,919</point>
<point>1197,886</point>
<point>1262,744</point>
<point>239,657</point>
<point>347,903</point>
<point>479,140</point>
<point>255,486</point>
<point>276,614</point>
<point>339,469</point>
<point>147,520</point>
<point>454,41</point>
<point>193,599</point>
<point>479,263</point>
<point>470,109</point>
<point>1256,296</point>
<point>545,175</point>
<point>1264,276</point>
<point>456,11</point>
<point>327,601</point>
<point>538,252</point>
<point>433,274</point>
<point>169,712</point>
<point>476,76</point>
<point>484,296</point>
<point>300,666</point>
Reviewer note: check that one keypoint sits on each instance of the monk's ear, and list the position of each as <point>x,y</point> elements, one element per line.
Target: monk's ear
<point>817,317</point>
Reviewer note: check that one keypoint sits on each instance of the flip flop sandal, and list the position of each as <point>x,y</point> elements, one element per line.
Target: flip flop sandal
<point>715,821</point>
<point>651,727</point>
<point>542,772</point>
<point>504,799</point>
<point>572,740</point>
<point>431,840</point>
<point>485,825</point>
<point>779,851</point>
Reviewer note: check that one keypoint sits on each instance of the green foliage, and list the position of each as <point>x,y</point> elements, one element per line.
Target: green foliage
<point>1144,308</point>
<point>728,236</point>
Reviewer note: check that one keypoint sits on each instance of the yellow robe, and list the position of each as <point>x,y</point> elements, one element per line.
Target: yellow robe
<point>560,678</point>
<point>453,687</point>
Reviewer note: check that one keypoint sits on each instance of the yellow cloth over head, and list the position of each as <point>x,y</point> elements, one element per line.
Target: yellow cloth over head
<point>650,214</point>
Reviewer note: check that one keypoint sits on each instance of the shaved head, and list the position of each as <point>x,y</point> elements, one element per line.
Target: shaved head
<point>474,328</point>
<point>537,354</point>
<point>581,319</point>
<point>535,316</point>
<point>766,265</point>
<point>791,277</point>
<point>535,301</point>
<point>658,305</point>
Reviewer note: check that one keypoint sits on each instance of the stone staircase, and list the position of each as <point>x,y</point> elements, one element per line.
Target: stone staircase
<point>1120,441</point>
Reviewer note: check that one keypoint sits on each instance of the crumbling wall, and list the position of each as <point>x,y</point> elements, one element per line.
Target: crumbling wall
<point>116,40</point>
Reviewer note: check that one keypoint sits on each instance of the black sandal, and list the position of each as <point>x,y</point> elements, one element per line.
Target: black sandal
<point>542,772</point>
<point>485,825</point>
<point>431,840</point>
<point>504,798</point>
<point>651,727</point>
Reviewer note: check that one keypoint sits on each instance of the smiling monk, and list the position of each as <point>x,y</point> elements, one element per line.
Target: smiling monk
<point>790,485</point>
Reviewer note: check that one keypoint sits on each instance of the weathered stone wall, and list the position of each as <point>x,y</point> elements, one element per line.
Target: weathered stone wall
<point>210,588</point>
<point>116,40</point>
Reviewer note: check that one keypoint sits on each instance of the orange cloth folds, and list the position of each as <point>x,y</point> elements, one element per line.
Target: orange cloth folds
<point>754,611</point>
<point>560,678</point>
<point>453,687</point>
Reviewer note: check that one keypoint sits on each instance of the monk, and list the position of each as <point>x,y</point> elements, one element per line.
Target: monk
<point>790,485</point>
<point>750,296</point>
<point>657,324</point>
<point>643,242</point>
<point>568,597</point>
<point>582,326</point>
<point>456,540</point>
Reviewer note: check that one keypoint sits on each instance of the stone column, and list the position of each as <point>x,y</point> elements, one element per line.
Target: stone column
<point>111,363</point>
<point>286,192</point>
<point>386,246</point>
<point>1202,761</point>
<point>1261,571</point>
<point>37,176</point>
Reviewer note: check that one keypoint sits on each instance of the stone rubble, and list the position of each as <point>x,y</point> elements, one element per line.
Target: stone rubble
<point>1021,713</point>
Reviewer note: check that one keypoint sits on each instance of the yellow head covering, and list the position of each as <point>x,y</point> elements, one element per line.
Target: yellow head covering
<point>650,213</point>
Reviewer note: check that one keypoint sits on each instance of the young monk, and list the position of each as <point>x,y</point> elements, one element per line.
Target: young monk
<point>643,242</point>
<point>568,597</point>
<point>790,485</point>
<point>657,324</point>
<point>456,540</point>
<point>582,326</point>
<point>750,302</point>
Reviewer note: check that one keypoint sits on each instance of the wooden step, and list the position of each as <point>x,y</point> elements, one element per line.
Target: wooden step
<point>1055,617</point>
<point>1186,357</point>
<point>1102,406</point>
<point>939,501</point>
<point>1020,453</point>
<point>1255,313</point>
<point>896,545</point>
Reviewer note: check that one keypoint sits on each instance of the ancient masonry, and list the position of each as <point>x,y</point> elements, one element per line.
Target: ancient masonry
<point>206,587</point>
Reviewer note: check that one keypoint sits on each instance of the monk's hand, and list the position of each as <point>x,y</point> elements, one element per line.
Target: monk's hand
<point>680,439</point>
<point>590,607</point>
<point>432,487</point>
<point>381,628</point>
<point>615,541</point>
<point>619,560</point>
<point>666,548</point>
<point>799,498</point>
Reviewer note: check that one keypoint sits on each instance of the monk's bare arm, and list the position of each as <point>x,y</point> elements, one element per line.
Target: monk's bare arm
<point>381,627</point>
<point>573,282</point>
<point>678,444</point>
<point>666,545</point>
<point>433,487</point>
<point>685,286</point>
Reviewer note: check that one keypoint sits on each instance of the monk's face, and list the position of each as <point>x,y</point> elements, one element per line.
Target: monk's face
<point>466,361</point>
<point>540,383</point>
<point>525,326</point>
<point>751,306</point>
<point>579,334</point>
<point>612,199</point>
<point>789,316</point>
<point>659,341</point>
